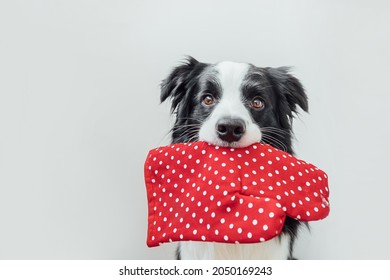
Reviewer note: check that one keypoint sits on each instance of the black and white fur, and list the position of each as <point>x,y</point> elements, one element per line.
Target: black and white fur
<point>235,104</point>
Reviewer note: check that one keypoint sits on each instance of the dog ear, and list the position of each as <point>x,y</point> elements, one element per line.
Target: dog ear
<point>290,91</point>
<point>175,85</point>
<point>290,87</point>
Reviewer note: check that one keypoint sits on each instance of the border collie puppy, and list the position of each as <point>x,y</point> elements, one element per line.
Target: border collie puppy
<point>235,104</point>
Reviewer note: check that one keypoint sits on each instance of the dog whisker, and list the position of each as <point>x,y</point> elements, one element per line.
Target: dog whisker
<point>276,132</point>
<point>191,137</point>
<point>187,118</point>
<point>188,133</point>
<point>187,126</point>
<point>274,141</point>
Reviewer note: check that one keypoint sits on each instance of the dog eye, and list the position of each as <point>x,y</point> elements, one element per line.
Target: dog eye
<point>257,103</point>
<point>208,100</point>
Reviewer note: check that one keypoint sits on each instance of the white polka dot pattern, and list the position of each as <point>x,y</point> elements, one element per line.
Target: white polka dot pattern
<point>201,192</point>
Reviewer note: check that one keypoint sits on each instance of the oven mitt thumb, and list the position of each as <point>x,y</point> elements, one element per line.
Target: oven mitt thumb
<point>200,192</point>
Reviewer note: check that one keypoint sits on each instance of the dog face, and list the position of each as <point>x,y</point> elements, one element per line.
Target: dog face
<point>233,104</point>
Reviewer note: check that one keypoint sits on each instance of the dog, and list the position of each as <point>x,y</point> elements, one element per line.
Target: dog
<point>235,104</point>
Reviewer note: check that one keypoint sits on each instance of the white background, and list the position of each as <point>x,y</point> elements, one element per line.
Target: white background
<point>79,110</point>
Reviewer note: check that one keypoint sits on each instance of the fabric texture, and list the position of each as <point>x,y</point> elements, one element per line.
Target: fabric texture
<point>200,192</point>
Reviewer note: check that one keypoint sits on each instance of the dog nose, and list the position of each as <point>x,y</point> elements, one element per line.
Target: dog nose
<point>230,130</point>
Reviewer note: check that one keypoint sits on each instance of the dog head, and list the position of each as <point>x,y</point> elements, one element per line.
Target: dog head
<point>233,104</point>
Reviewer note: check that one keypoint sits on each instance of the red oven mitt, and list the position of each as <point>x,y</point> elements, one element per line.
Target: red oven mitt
<point>200,192</point>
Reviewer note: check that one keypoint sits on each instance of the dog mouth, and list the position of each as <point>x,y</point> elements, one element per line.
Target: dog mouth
<point>241,143</point>
<point>222,143</point>
<point>233,144</point>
